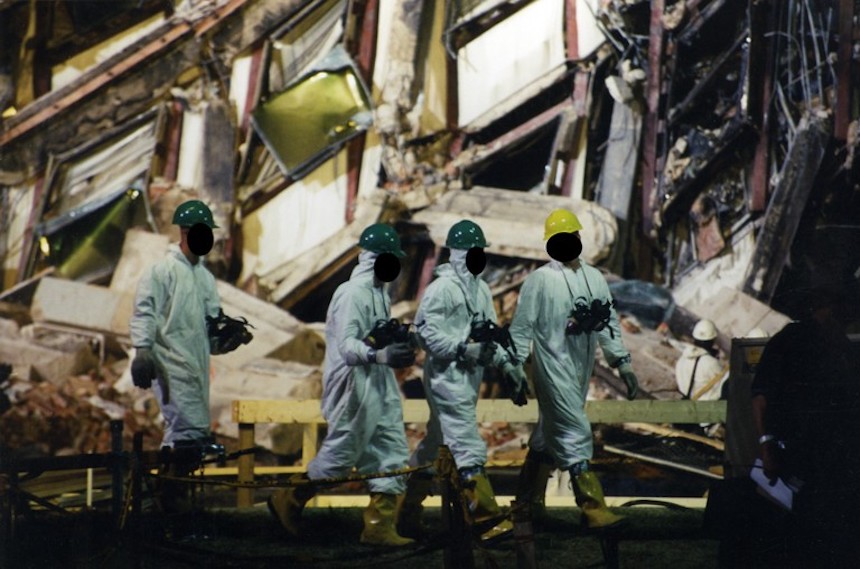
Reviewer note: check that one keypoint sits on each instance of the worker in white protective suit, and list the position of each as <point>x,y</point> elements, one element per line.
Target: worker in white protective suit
<point>175,304</point>
<point>699,373</point>
<point>361,399</point>
<point>457,327</point>
<point>564,311</point>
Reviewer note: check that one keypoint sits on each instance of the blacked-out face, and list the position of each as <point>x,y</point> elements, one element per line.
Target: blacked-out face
<point>386,267</point>
<point>564,247</point>
<point>476,260</point>
<point>200,239</point>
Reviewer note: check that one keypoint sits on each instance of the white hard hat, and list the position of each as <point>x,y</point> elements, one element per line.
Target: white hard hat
<point>757,333</point>
<point>705,331</point>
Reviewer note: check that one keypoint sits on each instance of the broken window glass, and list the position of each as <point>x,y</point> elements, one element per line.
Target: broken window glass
<point>308,121</point>
<point>304,42</point>
<point>86,244</point>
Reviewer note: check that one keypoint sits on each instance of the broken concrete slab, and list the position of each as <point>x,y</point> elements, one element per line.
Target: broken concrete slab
<point>80,305</point>
<point>9,328</point>
<point>140,250</point>
<point>293,280</point>
<point>269,378</point>
<point>736,313</point>
<point>306,347</point>
<point>513,222</point>
<point>273,327</point>
<point>40,363</point>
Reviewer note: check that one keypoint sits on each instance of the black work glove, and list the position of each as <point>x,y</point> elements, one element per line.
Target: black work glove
<point>396,355</point>
<point>630,380</point>
<point>516,377</point>
<point>143,369</point>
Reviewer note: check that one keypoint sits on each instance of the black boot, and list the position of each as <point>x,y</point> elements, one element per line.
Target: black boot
<point>531,485</point>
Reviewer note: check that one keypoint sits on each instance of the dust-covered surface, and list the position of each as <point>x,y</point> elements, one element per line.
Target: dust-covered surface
<point>653,537</point>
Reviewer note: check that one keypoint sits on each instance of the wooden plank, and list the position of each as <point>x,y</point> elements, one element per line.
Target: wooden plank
<point>496,410</point>
<point>309,443</point>
<point>245,496</point>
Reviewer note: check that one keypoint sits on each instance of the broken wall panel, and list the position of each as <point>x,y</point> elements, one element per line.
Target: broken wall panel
<point>298,219</point>
<point>206,155</point>
<point>137,76</point>
<point>786,207</point>
<point>617,176</point>
<point>535,58</point>
<point>434,74</point>
<point>71,68</point>
<point>17,207</point>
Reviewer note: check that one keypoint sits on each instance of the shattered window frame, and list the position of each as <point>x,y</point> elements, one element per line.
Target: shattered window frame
<point>302,145</point>
<point>74,202</point>
<point>304,41</point>
<point>86,244</point>
<point>519,147</point>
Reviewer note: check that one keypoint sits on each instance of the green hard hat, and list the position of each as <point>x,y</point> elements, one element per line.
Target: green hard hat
<point>381,238</point>
<point>465,235</point>
<point>191,213</point>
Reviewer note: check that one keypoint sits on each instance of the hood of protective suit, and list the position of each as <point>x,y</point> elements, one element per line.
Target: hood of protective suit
<point>364,269</point>
<point>572,265</point>
<point>467,281</point>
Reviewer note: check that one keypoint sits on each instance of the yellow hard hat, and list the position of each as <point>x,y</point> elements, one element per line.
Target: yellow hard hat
<point>561,221</point>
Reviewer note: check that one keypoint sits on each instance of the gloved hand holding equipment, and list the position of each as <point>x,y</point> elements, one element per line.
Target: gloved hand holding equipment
<point>387,332</point>
<point>397,356</point>
<point>630,380</point>
<point>480,353</point>
<point>143,369</point>
<point>518,383</point>
<point>226,333</point>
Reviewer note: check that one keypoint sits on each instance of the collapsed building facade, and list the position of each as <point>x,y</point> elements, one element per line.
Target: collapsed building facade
<point>707,146</point>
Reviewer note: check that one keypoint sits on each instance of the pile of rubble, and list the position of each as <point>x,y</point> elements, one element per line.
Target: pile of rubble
<point>68,353</point>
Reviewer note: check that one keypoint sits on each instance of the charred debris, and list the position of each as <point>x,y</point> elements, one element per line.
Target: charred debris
<point>707,145</point>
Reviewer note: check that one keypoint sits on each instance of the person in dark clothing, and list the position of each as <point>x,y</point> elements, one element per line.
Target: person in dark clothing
<point>806,398</point>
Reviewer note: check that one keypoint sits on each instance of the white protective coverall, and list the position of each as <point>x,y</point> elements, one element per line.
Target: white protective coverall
<point>361,401</point>
<point>173,300</point>
<point>710,374</point>
<point>449,306</point>
<point>562,363</point>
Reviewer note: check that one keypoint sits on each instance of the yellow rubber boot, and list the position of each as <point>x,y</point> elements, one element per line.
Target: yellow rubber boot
<point>483,507</point>
<point>589,497</point>
<point>409,516</point>
<point>286,505</point>
<point>379,521</point>
<point>531,485</point>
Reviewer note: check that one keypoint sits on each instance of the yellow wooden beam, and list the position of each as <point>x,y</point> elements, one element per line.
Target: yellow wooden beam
<point>497,410</point>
